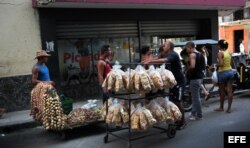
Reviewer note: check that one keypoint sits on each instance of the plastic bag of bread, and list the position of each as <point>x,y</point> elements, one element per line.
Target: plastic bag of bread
<point>110,115</point>
<point>117,116</point>
<point>130,79</point>
<point>173,112</point>
<point>138,119</point>
<point>146,82</point>
<point>143,121</point>
<point>104,107</point>
<point>137,82</point>
<point>119,86</point>
<point>124,111</point>
<point>109,81</point>
<point>163,103</point>
<point>142,80</point>
<point>167,77</point>
<point>111,112</point>
<point>115,79</point>
<point>156,78</point>
<point>150,119</point>
<point>119,74</point>
<point>157,111</point>
<point>135,119</point>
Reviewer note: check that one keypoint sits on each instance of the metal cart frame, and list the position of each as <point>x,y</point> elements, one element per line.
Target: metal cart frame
<point>170,130</point>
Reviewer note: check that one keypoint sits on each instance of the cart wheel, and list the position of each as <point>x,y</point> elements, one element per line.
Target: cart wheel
<point>171,131</point>
<point>106,139</point>
<point>187,103</point>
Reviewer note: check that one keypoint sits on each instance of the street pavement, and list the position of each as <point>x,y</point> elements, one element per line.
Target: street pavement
<point>206,133</point>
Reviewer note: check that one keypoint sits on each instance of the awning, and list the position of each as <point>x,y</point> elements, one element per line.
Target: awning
<point>145,4</point>
<point>198,42</point>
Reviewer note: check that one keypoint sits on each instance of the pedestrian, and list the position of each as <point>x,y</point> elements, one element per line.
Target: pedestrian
<point>110,59</point>
<point>185,57</point>
<point>225,75</point>
<point>205,53</point>
<point>103,68</point>
<point>40,71</point>
<point>177,92</point>
<point>146,54</point>
<point>196,73</point>
<point>241,47</point>
<point>161,53</point>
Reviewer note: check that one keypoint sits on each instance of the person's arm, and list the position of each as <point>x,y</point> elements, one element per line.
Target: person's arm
<point>220,59</point>
<point>100,70</point>
<point>35,71</point>
<point>207,53</point>
<point>156,60</point>
<point>192,58</point>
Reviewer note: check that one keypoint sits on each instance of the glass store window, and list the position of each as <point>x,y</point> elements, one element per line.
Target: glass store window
<point>156,41</point>
<point>78,57</point>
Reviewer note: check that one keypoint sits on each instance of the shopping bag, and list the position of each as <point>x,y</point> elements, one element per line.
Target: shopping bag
<point>215,77</point>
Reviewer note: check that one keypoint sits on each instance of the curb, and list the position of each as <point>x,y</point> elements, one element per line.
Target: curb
<point>18,126</point>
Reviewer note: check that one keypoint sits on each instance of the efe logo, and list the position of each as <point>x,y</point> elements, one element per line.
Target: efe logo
<point>237,139</point>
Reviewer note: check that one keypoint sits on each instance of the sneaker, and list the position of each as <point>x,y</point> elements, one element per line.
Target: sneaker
<point>192,118</point>
<point>199,118</point>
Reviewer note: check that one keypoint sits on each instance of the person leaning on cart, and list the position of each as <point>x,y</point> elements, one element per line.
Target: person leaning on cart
<point>103,68</point>
<point>173,58</point>
<point>40,72</point>
<point>225,75</point>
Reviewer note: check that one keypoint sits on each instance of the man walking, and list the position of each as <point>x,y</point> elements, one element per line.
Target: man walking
<point>196,73</point>
<point>40,72</point>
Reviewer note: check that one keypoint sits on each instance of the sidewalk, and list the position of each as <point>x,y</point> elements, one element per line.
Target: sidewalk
<point>17,120</point>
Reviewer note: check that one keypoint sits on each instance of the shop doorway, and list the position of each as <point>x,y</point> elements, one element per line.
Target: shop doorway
<point>238,38</point>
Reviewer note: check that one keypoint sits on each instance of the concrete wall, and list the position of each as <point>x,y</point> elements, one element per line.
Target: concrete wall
<point>20,37</point>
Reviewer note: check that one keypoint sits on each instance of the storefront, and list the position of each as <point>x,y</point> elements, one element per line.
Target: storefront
<point>234,32</point>
<point>78,33</point>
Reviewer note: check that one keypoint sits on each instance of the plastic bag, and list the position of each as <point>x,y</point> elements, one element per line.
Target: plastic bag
<point>173,112</point>
<point>135,118</point>
<point>114,80</point>
<point>215,77</point>
<point>156,78</point>
<point>157,111</point>
<point>167,77</point>
<point>150,119</point>
<point>142,81</point>
<point>92,104</point>
<point>129,82</point>
<point>104,107</point>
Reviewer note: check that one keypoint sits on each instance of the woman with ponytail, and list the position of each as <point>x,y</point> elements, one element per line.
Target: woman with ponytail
<point>225,75</point>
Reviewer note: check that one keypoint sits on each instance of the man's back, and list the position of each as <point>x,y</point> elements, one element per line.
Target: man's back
<point>176,68</point>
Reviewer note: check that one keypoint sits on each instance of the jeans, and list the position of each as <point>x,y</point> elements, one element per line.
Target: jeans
<point>225,76</point>
<point>196,100</point>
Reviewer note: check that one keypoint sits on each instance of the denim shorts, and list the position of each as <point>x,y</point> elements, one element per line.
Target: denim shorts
<point>225,76</point>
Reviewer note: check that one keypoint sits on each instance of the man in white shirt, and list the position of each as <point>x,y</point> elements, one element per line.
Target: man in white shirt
<point>242,48</point>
